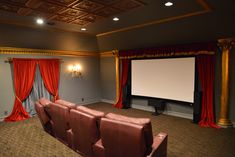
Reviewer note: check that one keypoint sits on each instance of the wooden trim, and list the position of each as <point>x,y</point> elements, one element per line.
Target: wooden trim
<point>10,60</point>
<point>117,72</point>
<point>111,53</point>
<point>202,3</point>
<point>22,51</point>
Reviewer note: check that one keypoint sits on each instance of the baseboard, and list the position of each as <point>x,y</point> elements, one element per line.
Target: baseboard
<point>2,119</point>
<point>88,102</point>
<point>141,107</point>
<point>107,101</point>
<point>171,113</point>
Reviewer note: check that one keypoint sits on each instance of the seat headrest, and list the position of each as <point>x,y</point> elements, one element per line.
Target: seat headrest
<point>92,112</point>
<point>68,104</point>
<point>44,101</point>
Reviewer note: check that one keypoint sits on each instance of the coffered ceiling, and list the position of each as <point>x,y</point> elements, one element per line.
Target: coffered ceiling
<point>96,15</point>
<point>78,12</point>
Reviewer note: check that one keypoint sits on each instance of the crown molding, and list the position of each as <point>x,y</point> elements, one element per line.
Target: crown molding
<point>206,9</point>
<point>23,51</point>
<point>112,53</point>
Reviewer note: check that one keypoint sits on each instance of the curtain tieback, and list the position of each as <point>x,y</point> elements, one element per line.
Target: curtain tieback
<point>18,99</point>
<point>56,95</point>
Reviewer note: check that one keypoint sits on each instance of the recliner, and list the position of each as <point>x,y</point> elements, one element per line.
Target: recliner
<point>123,136</point>
<point>60,117</point>
<point>84,123</point>
<point>94,134</point>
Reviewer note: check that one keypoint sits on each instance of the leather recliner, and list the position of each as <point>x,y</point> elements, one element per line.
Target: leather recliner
<point>60,117</point>
<point>123,136</point>
<point>44,118</point>
<point>84,123</point>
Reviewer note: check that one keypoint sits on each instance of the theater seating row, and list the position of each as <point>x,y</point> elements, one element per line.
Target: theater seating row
<point>91,133</point>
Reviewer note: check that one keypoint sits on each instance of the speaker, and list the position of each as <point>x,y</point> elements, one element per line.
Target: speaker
<point>197,106</point>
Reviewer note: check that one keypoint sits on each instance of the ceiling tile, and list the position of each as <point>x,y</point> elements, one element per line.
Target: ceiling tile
<point>87,5</point>
<point>80,22</point>
<point>127,5</point>
<point>7,7</point>
<point>72,12</point>
<point>91,17</point>
<point>107,11</point>
<point>50,8</point>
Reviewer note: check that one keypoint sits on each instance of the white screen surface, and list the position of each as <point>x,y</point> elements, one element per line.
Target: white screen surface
<point>164,78</point>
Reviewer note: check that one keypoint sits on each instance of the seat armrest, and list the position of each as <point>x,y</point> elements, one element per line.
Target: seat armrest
<point>159,146</point>
<point>70,138</point>
<point>98,149</point>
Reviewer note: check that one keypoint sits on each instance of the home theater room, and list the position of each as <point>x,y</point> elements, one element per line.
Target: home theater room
<point>117,78</point>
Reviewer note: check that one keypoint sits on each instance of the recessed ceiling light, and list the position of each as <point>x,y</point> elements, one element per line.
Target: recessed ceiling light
<point>83,29</point>
<point>115,19</point>
<point>168,4</point>
<point>39,21</point>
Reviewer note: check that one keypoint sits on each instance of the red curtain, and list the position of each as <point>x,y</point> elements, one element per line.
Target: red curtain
<point>124,76</point>
<point>49,69</point>
<point>169,51</point>
<point>206,69</point>
<point>24,72</point>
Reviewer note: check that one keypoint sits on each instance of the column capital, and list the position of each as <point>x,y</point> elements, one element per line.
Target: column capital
<point>226,44</point>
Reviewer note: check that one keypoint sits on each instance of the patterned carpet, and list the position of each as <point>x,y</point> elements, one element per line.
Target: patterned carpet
<point>27,138</point>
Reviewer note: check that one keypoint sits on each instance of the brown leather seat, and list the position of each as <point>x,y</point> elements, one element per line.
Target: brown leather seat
<point>84,123</point>
<point>123,136</point>
<point>44,118</point>
<point>68,104</point>
<point>60,117</point>
<point>145,122</point>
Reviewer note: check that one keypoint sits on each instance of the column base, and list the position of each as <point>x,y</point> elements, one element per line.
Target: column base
<point>225,123</point>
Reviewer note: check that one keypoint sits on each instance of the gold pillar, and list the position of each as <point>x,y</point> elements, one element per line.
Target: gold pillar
<point>225,46</point>
<point>117,75</point>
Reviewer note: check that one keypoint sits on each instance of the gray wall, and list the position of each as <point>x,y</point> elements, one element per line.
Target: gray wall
<point>108,78</point>
<point>72,89</point>
<point>25,37</point>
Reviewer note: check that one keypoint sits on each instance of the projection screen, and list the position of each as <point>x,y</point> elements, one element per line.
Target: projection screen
<point>171,78</point>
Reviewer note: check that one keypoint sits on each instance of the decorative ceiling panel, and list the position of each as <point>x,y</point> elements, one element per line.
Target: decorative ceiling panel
<point>127,4</point>
<point>50,8</point>
<point>8,7</point>
<point>80,12</point>
<point>87,5</point>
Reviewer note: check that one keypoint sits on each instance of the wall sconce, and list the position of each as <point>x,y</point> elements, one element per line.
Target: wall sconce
<point>75,70</point>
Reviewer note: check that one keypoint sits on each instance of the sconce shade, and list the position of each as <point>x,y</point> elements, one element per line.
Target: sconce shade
<point>75,70</point>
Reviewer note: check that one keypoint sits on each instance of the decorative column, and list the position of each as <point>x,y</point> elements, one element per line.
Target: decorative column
<point>225,46</point>
<point>117,69</point>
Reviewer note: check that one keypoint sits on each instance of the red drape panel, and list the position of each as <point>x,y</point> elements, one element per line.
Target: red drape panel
<point>124,76</point>
<point>49,69</point>
<point>24,72</point>
<point>206,69</point>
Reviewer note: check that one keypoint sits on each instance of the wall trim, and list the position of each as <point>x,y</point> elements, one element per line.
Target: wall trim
<point>88,102</point>
<point>107,101</point>
<point>22,51</point>
<point>2,119</point>
<point>170,113</point>
<point>111,53</point>
<point>206,9</point>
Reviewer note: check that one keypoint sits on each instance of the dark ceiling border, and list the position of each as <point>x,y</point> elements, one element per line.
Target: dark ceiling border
<point>206,9</point>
